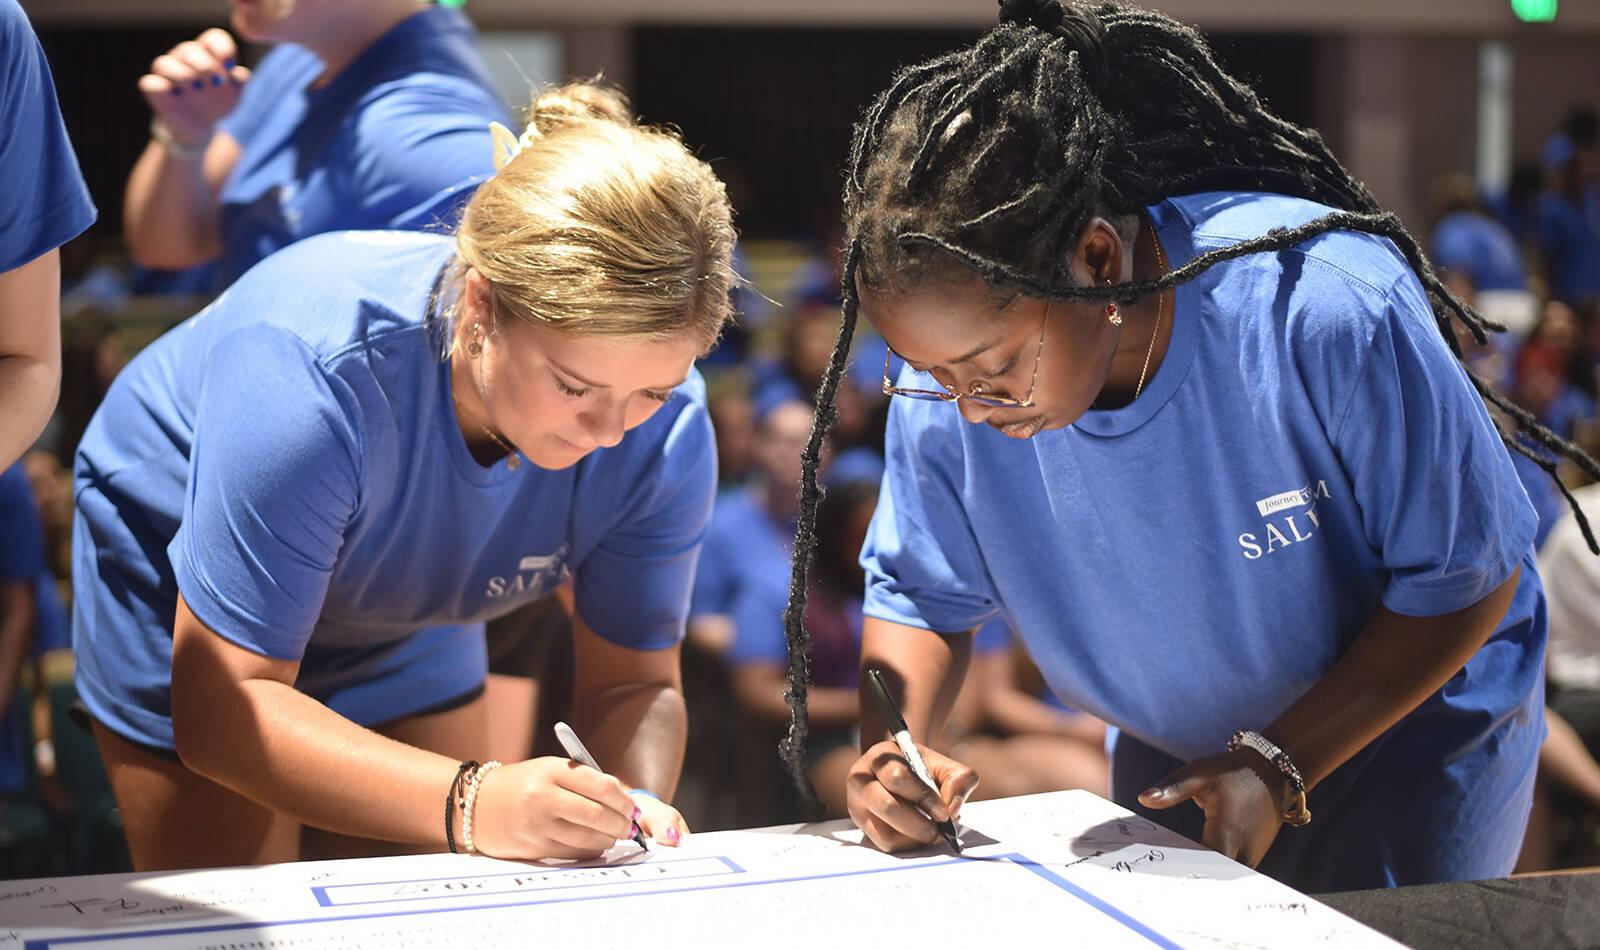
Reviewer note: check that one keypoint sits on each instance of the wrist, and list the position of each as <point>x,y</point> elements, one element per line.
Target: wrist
<point>181,146</point>
<point>1291,797</point>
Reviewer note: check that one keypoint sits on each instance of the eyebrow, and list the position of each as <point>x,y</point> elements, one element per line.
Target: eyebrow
<point>589,382</point>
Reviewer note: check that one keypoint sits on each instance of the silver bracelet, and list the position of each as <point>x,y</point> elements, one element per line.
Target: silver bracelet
<point>162,132</point>
<point>1295,811</point>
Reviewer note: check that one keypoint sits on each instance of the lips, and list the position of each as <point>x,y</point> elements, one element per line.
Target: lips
<point>1026,429</point>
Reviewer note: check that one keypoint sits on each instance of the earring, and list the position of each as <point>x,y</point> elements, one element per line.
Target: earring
<point>1114,314</point>
<point>474,348</point>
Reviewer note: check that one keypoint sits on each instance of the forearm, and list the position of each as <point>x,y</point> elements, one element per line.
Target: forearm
<point>30,351</point>
<point>1394,664</point>
<point>170,216</point>
<point>637,732</point>
<point>760,690</point>
<point>1566,761</point>
<point>275,745</point>
<point>16,635</point>
<point>922,668</point>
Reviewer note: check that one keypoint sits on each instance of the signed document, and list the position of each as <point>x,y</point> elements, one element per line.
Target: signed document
<point>1064,866</point>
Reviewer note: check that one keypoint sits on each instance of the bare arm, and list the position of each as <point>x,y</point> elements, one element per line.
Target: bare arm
<point>1392,666</point>
<point>30,352</point>
<point>239,721</point>
<point>1566,761</point>
<point>1014,712</point>
<point>885,798</point>
<point>171,214</point>
<point>760,688</point>
<point>628,707</point>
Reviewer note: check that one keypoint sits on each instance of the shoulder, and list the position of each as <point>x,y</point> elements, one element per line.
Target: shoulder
<point>341,288</point>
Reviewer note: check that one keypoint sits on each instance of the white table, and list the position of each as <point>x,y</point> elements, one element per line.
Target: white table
<point>1063,869</point>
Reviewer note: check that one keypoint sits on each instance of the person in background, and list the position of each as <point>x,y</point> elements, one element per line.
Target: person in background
<point>1568,223</point>
<point>363,116</point>
<point>45,204</point>
<point>297,509</point>
<point>1467,239</point>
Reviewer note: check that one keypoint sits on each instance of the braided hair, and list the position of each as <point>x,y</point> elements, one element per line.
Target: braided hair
<point>992,158</point>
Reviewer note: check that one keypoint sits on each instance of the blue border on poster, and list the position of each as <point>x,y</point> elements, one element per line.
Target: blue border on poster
<point>1034,867</point>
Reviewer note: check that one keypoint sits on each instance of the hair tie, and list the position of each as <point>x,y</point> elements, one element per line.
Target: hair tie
<point>508,146</point>
<point>1080,26</point>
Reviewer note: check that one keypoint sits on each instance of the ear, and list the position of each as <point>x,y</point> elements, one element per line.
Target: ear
<point>1097,257</point>
<point>475,303</point>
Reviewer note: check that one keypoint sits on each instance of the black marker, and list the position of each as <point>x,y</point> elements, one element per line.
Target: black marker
<point>902,738</point>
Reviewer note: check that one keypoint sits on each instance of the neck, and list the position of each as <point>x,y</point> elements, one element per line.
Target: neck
<point>352,27</point>
<point>1146,327</point>
<point>472,417</point>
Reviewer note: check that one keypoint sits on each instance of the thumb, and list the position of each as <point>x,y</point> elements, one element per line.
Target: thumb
<point>1176,788</point>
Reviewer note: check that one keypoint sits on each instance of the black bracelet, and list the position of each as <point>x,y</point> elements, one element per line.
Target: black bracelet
<point>450,803</point>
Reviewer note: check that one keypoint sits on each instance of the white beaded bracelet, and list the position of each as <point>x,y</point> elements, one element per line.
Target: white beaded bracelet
<point>469,799</point>
<point>162,133</point>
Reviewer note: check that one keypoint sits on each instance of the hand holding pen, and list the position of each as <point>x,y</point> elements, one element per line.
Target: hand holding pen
<point>666,824</point>
<point>900,794</point>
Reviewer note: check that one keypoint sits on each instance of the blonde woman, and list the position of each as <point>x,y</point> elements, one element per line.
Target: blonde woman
<point>295,515</point>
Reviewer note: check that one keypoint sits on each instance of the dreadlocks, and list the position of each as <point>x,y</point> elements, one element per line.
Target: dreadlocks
<point>994,157</point>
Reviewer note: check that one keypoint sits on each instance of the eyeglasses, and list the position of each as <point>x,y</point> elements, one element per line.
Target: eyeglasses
<point>975,391</point>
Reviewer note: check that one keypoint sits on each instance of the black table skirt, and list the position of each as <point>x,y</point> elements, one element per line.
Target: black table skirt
<point>1537,912</point>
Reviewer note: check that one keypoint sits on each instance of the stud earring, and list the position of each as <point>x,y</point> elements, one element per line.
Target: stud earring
<point>474,348</point>
<point>1114,314</point>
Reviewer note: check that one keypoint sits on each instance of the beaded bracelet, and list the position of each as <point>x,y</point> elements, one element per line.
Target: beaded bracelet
<point>162,133</point>
<point>469,801</point>
<point>1295,811</point>
<point>450,803</point>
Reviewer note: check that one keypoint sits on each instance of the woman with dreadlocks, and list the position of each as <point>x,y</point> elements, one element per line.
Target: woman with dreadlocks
<point>1210,454</point>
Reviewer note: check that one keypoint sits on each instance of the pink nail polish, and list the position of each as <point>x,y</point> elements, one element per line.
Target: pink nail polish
<point>672,835</point>
<point>636,813</point>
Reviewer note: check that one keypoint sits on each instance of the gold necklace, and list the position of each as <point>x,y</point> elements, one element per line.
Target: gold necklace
<point>1161,261</point>
<point>513,460</point>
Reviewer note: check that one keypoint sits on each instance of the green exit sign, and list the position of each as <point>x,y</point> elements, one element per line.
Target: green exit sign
<point>1534,11</point>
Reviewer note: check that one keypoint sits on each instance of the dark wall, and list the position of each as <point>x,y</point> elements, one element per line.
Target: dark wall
<point>773,108</point>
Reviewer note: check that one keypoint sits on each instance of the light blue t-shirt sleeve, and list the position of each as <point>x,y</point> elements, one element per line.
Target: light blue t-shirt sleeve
<point>922,561</point>
<point>44,203</point>
<point>1438,495</point>
<point>633,588</point>
<point>273,479</point>
<point>421,148</point>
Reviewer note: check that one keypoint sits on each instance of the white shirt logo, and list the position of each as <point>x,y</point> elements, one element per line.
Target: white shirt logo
<point>536,572</point>
<point>1291,517</point>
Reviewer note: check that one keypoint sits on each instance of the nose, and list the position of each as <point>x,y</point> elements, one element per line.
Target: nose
<point>974,411</point>
<point>606,424</point>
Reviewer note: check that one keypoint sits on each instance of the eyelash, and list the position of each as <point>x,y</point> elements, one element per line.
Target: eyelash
<point>574,393</point>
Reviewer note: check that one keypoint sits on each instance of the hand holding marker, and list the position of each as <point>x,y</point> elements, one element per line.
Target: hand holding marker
<point>902,737</point>
<point>576,751</point>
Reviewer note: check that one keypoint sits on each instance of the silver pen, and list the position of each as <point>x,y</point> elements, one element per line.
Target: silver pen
<point>575,750</point>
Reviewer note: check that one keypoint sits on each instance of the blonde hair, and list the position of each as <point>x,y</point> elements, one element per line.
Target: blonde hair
<point>601,226</point>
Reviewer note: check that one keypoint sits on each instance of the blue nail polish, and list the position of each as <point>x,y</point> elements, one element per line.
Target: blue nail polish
<point>216,80</point>
<point>199,85</point>
<point>229,64</point>
<point>177,90</point>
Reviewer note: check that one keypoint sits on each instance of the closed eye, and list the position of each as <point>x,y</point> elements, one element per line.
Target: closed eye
<point>570,391</point>
<point>658,397</point>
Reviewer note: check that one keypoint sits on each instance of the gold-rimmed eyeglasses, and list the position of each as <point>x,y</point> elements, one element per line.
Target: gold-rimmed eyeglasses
<point>975,392</point>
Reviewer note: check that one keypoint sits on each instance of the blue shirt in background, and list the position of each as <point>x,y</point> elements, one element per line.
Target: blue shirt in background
<point>44,202</point>
<point>1481,247</point>
<point>1190,564</point>
<point>398,139</point>
<point>289,460</point>
<point>21,559</point>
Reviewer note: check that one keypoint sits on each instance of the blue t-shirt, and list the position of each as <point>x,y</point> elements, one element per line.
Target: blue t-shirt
<point>1569,233</point>
<point>289,460</point>
<point>44,203</point>
<point>744,574</point>
<point>398,139</point>
<point>1481,247</point>
<point>21,559</point>
<point>1190,564</point>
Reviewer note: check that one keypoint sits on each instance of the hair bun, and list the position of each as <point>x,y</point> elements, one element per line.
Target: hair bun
<point>579,102</point>
<point>1078,25</point>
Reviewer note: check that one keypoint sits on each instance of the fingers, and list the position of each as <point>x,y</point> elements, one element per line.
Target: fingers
<point>893,807</point>
<point>1180,786</point>
<point>196,82</point>
<point>607,806</point>
<point>661,821</point>
<point>219,44</point>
